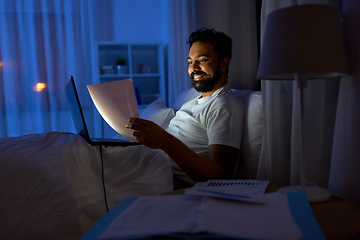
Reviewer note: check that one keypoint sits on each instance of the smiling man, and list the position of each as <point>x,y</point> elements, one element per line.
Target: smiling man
<point>204,137</point>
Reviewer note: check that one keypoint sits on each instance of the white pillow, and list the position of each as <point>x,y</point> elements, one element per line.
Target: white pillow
<point>253,133</point>
<point>184,97</point>
<point>158,113</point>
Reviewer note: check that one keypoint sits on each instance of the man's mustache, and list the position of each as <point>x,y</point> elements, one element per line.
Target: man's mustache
<point>197,73</point>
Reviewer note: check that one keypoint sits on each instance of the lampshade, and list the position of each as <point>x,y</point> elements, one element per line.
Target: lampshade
<point>304,39</point>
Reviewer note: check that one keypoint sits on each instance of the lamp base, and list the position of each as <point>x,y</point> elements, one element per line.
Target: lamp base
<point>313,194</point>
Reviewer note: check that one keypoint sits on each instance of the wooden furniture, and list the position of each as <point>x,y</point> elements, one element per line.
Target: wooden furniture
<point>144,64</point>
<point>338,218</point>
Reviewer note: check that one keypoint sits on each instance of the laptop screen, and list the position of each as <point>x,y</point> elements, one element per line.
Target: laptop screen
<point>76,110</point>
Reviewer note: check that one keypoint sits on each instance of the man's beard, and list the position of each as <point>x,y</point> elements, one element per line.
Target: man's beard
<point>205,85</point>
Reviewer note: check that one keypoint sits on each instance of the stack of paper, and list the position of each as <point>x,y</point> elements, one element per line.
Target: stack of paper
<point>242,190</point>
<point>279,216</point>
<point>203,217</point>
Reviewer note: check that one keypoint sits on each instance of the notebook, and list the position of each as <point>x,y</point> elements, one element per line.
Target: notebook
<point>80,123</point>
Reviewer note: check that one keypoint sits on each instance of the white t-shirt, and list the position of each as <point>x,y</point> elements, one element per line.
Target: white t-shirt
<point>215,119</point>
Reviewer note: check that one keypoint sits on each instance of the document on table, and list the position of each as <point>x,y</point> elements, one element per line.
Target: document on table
<point>116,103</point>
<point>272,220</point>
<point>242,190</point>
<point>155,215</point>
<point>166,215</point>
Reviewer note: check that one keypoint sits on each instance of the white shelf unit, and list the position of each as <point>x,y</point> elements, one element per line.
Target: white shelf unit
<point>144,65</point>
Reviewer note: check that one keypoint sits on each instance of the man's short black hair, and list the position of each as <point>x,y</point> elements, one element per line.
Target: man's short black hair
<point>221,42</point>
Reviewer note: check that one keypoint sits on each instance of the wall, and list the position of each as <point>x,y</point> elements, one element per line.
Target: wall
<point>144,20</point>
<point>237,18</point>
<point>140,20</point>
<point>103,20</point>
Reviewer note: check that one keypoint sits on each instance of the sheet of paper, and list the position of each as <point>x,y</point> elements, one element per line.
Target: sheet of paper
<point>116,102</point>
<point>242,190</point>
<point>153,215</point>
<point>272,220</point>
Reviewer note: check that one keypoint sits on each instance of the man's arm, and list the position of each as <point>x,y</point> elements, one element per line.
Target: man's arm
<point>222,158</point>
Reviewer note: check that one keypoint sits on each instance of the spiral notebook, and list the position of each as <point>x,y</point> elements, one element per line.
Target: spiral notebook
<point>241,190</point>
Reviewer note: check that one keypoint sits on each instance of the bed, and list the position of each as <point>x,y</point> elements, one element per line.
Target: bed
<point>52,184</point>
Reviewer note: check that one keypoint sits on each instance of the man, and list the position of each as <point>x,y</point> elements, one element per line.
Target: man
<point>203,139</point>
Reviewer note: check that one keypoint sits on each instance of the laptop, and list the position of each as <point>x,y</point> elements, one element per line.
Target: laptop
<point>79,119</point>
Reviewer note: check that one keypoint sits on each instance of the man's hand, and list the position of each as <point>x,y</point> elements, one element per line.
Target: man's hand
<point>220,165</point>
<point>148,133</point>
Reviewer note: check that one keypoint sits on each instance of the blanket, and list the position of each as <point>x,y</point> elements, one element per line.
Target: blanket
<point>51,185</point>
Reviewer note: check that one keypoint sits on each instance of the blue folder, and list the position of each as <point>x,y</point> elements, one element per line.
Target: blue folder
<point>299,206</point>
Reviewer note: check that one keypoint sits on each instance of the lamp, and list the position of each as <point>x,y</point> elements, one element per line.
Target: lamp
<point>303,43</point>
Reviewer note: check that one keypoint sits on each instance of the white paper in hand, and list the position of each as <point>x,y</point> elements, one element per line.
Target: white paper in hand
<point>116,102</point>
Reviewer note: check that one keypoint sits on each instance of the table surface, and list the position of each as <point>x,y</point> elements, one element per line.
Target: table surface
<point>339,219</point>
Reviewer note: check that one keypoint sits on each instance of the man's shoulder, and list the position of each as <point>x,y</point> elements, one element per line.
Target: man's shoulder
<point>226,98</point>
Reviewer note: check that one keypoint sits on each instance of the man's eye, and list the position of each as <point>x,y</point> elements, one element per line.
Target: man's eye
<point>203,60</point>
<point>189,63</point>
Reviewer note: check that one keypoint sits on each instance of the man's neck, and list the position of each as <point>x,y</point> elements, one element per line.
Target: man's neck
<point>220,84</point>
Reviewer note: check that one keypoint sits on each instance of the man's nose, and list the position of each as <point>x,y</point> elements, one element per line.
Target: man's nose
<point>194,66</point>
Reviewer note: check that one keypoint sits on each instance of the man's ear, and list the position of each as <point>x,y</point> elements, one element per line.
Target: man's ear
<point>224,64</point>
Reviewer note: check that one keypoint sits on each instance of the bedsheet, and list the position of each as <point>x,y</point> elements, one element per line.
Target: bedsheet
<point>51,184</point>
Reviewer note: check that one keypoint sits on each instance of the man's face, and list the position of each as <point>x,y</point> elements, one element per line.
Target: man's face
<point>204,67</point>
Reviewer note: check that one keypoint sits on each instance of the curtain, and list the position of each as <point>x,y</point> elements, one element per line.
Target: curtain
<point>181,25</point>
<point>327,117</point>
<point>345,166</point>
<point>42,43</point>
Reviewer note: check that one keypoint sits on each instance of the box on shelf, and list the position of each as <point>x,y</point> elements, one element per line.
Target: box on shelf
<point>107,69</point>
